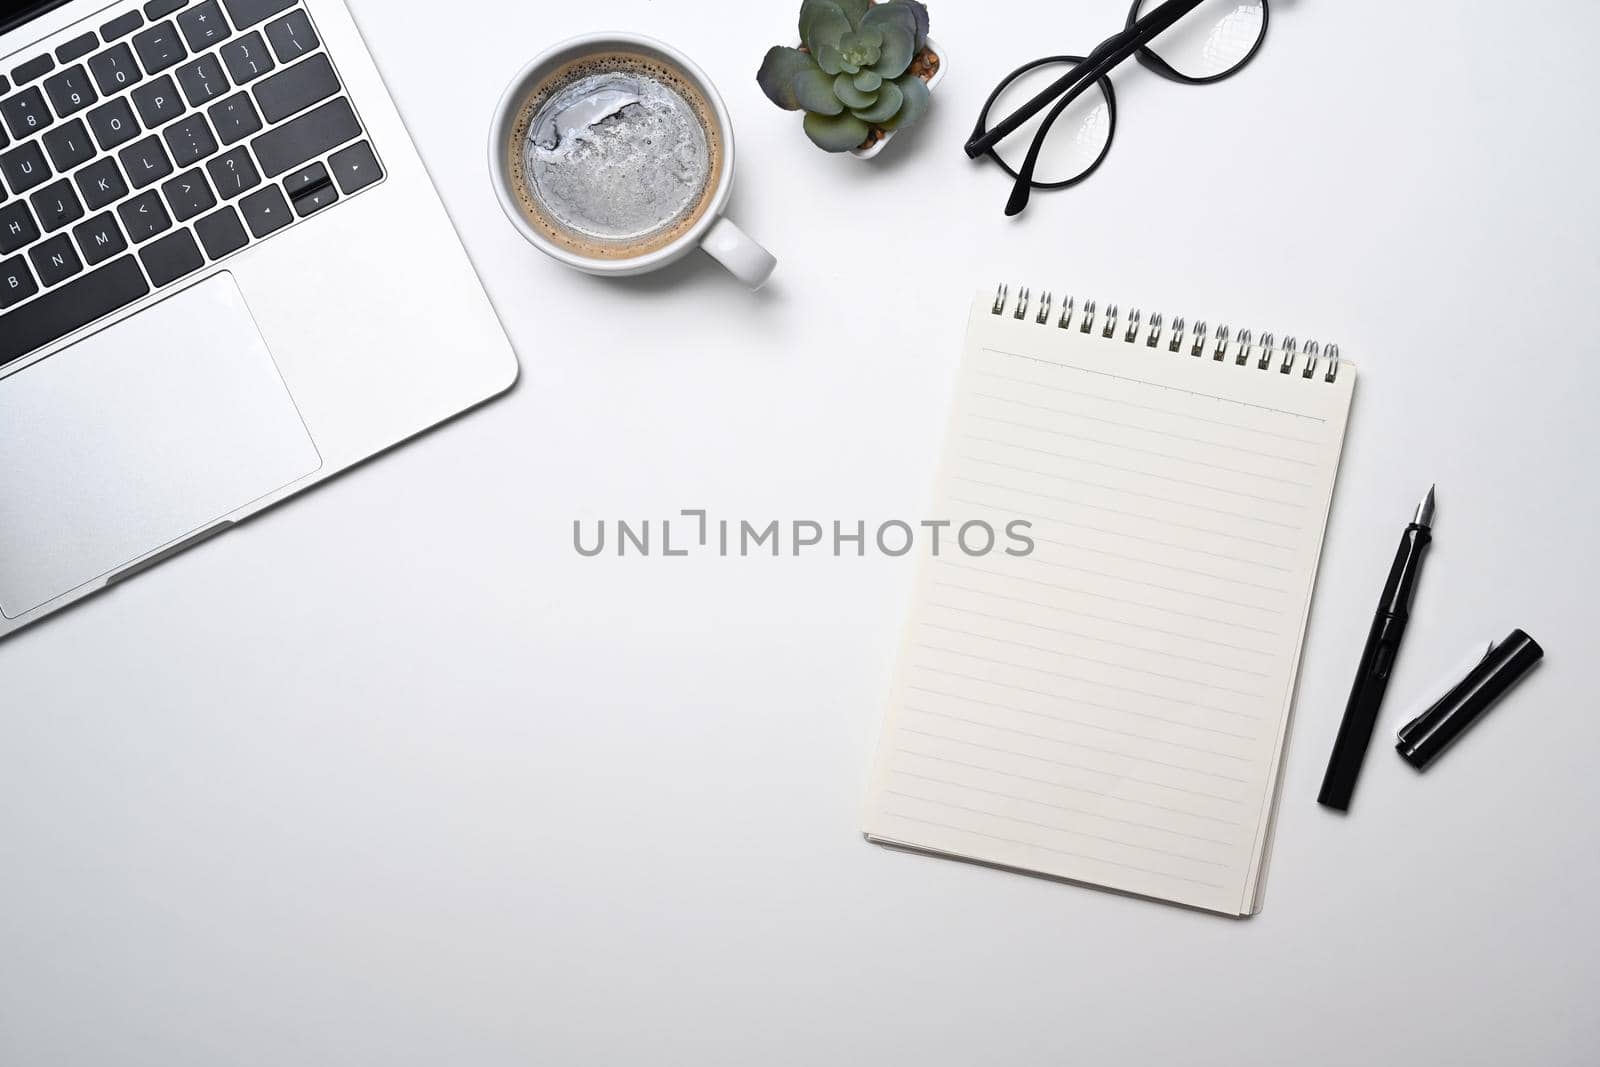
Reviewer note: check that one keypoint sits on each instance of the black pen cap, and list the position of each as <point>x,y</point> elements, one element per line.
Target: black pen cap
<point>1425,738</point>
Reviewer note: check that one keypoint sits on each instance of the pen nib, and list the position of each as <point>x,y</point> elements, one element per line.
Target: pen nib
<point>1425,510</point>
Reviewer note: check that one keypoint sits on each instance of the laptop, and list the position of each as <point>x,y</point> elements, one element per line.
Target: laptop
<point>224,277</point>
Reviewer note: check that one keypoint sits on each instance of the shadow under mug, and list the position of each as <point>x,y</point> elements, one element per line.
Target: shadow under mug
<point>718,235</point>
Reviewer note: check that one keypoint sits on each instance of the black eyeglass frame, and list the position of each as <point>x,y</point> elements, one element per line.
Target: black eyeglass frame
<point>1094,69</point>
<point>1104,81</point>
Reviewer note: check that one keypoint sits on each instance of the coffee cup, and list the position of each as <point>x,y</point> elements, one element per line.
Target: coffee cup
<point>613,153</point>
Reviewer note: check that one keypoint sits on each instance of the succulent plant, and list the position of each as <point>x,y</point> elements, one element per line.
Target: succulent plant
<point>853,73</point>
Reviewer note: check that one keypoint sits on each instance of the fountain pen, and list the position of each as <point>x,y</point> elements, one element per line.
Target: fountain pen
<point>1377,662</point>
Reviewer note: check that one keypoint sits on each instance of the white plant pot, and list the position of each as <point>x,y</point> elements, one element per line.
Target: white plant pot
<point>933,83</point>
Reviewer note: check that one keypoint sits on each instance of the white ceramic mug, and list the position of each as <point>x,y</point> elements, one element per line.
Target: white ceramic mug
<point>718,235</point>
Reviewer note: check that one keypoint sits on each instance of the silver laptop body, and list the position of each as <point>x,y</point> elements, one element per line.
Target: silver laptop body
<point>224,277</point>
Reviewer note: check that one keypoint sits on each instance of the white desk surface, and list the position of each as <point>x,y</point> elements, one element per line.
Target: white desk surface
<point>392,776</point>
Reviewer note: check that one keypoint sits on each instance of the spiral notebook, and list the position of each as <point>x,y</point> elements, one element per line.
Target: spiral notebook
<point>1112,708</point>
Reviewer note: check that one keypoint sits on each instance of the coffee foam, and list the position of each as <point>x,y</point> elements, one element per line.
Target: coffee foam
<point>605,63</point>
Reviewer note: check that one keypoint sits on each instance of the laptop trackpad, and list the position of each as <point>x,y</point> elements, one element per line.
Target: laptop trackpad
<point>139,437</point>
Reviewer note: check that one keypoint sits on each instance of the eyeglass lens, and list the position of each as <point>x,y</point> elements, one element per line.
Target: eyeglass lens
<point>1077,140</point>
<point>1213,40</point>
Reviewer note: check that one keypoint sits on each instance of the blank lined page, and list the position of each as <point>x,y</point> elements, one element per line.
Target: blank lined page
<point>1112,707</point>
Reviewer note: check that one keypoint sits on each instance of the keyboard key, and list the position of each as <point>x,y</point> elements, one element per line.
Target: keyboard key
<point>37,67</point>
<point>121,26</point>
<point>16,285</point>
<point>70,91</point>
<point>247,58</point>
<point>144,216</point>
<point>188,195</point>
<point>303,139</point>
<point>24,168</point>
<point>315,199</point>
<point>234,173</point>
<point>113,124</point>
<point>158,102</point>
<point>56,205</point>
<point>235,118</point>
<point>26,113</point>
<point>266,211</point>
<point>203,80</point>
<point>159,47</point>
<point>77,48</point>
<point>101,183</point>
<point>297,88</point>
<point>156,9</point>
<point>222,233</point>
<point>246,13</point>
<point>17,227</point>
<point>172,257</point>
<point>292,36</point>
<point>55,260</point>
<point>203,26</point>
<point>190,140</point>
<point>71,307</point>
<point>355,168</point>
<point>305,178</point>
<point>100,238</point>
<point>69,146</point>
<point>145,162</point>
<point>115,69</point>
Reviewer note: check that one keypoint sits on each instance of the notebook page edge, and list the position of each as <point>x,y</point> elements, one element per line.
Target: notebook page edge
<point>909,849</point>
<point>1255,894</point>
<point>872,807</point>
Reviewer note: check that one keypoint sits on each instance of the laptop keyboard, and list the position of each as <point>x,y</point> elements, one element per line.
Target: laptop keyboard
<point>178,134</point>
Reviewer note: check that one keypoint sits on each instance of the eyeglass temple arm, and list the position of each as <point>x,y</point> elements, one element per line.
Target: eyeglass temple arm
<point>1120,48</point>
<point>1094,66</point>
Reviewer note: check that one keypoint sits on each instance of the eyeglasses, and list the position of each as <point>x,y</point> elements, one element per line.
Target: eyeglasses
<point>1195,42</point>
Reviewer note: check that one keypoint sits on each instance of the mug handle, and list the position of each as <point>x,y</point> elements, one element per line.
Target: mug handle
<point>734,249</point>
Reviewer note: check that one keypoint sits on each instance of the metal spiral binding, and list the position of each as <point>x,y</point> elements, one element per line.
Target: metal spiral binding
<point>1243,349</point>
